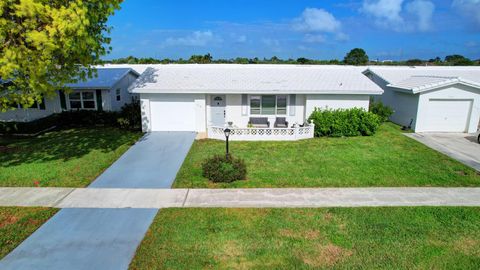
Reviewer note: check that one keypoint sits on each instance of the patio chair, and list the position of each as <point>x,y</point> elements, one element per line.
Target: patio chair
<point>281,122</point>
<point>259,122</point>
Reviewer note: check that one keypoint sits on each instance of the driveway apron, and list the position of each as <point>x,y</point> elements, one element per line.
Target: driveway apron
<point>460,146</point>
<point>106,238</point>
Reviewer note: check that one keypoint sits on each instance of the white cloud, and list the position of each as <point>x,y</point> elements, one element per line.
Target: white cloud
<point>470,8</point>
<point>238,38</point>
<point>342,37</point>
<point>386,11</point>
<point>423,11</point>
<point>314,38</point>
<point>401,15</point>
<point>317,24</point>
<point>195,39</point>
<point>317,20</point>
<point>271,42</point>
<point>471,44</point>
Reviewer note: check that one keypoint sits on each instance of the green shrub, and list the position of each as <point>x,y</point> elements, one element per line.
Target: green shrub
<point>222,169</point>
<point>87,118</point>
<point>344,122</point>
<point>384,112</point>
<point>130,116</point>
<point>32,127</point>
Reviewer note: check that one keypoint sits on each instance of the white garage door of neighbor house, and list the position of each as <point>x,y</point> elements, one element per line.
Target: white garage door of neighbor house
<point>448,115</point>
<point>173,114</point>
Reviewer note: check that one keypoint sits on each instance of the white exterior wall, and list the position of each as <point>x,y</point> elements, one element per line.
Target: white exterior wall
<point>452,92</point>
<point>335,102</point>
<point>200,112</point>
<point>234,108</point>
<point>52,105</point>
<point>198,100</point>
<point>125,95</point>
<point>404,105</point>
<point>304,106</point>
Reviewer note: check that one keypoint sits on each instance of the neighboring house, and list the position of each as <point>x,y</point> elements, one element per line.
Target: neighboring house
<point>207,98</point>
<point>431,99</point>
<point>108,92</point>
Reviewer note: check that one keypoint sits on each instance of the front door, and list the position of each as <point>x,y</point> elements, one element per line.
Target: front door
<point>218,110</point>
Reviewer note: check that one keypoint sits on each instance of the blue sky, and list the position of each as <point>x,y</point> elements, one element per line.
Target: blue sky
<point>386,29</point>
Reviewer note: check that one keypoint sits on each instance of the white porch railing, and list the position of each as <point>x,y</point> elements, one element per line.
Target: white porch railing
<point>263,134</point>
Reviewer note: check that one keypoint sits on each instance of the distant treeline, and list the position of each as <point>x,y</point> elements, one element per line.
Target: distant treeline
<point>350,59</point>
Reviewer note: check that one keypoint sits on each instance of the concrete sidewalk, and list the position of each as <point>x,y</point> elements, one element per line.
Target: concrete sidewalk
<point>233,198</point>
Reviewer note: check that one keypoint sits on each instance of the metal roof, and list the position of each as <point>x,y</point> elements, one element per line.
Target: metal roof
<point>106,78</point>
<point>258,78</point>
<point>418,79</point>
<point>418,84</point>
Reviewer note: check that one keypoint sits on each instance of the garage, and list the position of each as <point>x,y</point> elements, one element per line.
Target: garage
<point>431,99</point>
<point>448,115</point>
<point>172,112</point>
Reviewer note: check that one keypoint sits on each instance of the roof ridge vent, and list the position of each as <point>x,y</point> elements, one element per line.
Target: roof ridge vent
<point>434,76</point>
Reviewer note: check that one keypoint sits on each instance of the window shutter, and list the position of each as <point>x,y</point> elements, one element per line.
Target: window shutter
<point>99,100</point>
<point>293,101</point>
<point>244,104</point>
<point>63,101</point>
<point>42,104</point>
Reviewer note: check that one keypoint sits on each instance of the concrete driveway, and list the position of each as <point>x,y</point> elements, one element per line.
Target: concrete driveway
<point>460,146</point>
<point>84,239</point>
<point>153,162</point>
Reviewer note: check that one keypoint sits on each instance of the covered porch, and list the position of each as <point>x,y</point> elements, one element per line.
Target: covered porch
<point>258,117</point>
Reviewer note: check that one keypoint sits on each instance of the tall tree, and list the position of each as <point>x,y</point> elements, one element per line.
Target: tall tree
<point>48,43</point>
<point>458,60</point>
<point>356,57</point>
<point>201,59</point>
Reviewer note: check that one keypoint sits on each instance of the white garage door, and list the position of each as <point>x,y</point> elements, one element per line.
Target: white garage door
<point>173,113</point>
<point>448,115</point>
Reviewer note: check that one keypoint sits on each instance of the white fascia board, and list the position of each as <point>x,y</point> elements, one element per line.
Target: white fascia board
<point>429,87</point>
<point>265,92</point>
<point>401,89</point>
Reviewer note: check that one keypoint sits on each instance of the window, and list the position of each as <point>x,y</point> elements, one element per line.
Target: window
<point>268,105</point>
<point>39,106</point>
<point>281,104</point>
<point>88,99</point>
<point>117,93</point>
<point>82,100</point>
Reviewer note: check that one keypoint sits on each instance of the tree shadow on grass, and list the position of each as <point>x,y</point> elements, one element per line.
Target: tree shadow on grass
<point>64,145</point>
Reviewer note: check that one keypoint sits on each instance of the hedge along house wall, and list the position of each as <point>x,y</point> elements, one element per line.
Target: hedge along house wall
<point>128,118</point>
<point>344,122</point>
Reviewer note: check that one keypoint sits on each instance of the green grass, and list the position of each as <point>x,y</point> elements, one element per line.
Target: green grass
<point>18,223</point>
<point>66,158</point>
<point>386,159</point>
<point>338,238</point>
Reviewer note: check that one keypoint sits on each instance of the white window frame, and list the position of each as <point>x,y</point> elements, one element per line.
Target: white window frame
<point>81,100</point>
<point>118,94</point>
<point>34,107</point>
<point>276,108</point>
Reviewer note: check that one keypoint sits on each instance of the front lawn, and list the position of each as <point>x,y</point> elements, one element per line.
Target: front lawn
<point>17,223</point>
<point>386,159</point>
<point>339,238</point>
<point>66,158</point>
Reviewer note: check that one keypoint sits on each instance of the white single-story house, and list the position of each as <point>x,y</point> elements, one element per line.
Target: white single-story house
<point>108,92</point>
<point>431,99</point>
<point>255,101</point>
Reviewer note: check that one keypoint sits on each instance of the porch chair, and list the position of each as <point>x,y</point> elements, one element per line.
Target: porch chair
<point>281,122</point>
<point>259,122</point>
